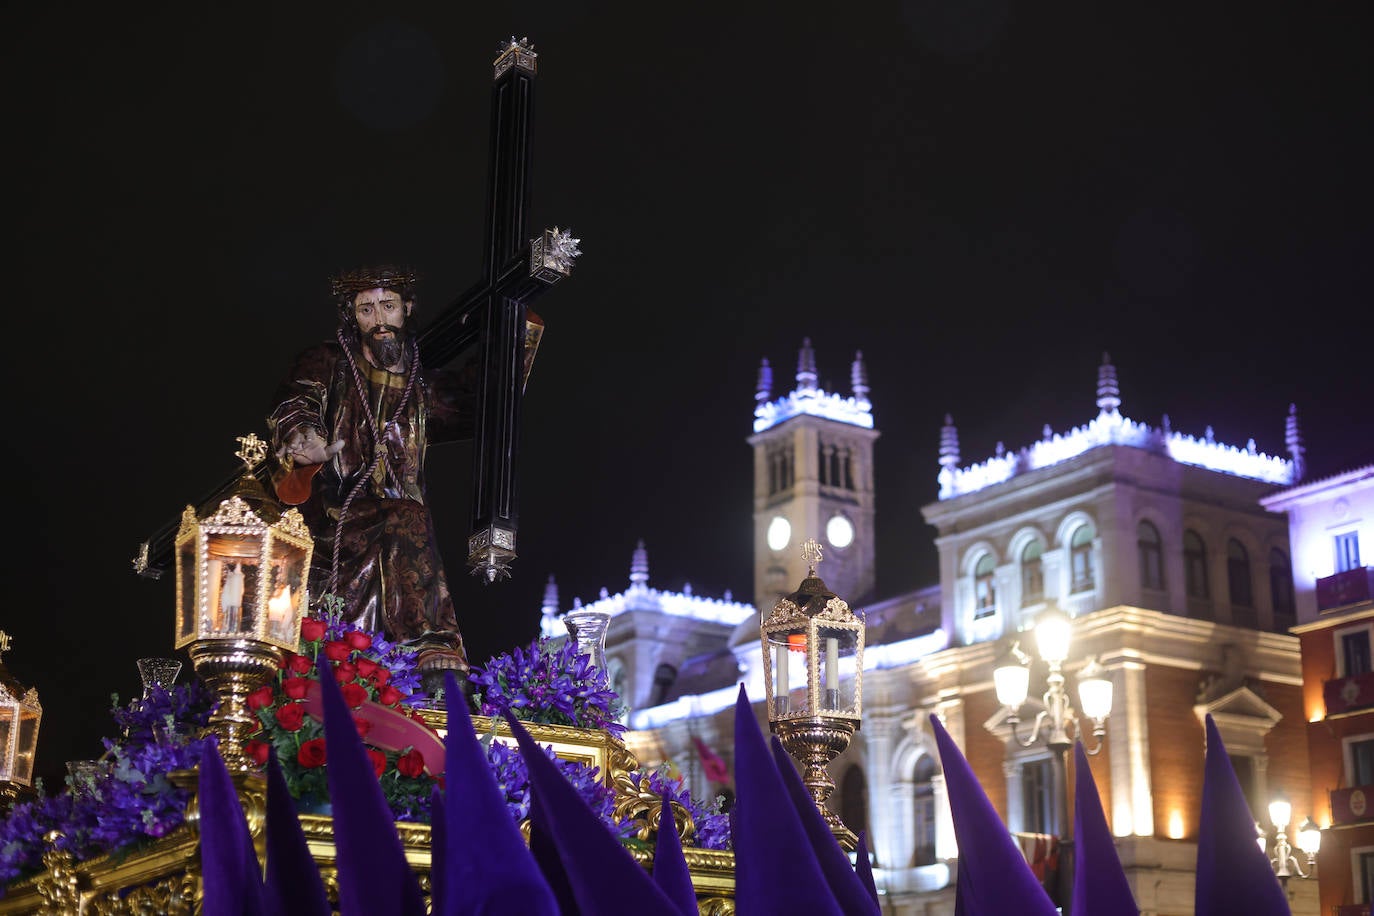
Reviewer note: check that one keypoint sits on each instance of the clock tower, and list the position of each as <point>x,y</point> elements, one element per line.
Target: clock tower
<point>813,478</point>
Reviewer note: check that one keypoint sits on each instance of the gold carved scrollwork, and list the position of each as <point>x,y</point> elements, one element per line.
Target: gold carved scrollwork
<point>784,611</point>
<point>58,886</point>
<point>837,609</point>
<point>716,906</point>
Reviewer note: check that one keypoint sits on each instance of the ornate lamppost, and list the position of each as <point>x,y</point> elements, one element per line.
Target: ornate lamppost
<point>241,594</point>
<point>20,714</point>
<point>1056,724</point>
<point>816,723</point>
<point>1309,838</point>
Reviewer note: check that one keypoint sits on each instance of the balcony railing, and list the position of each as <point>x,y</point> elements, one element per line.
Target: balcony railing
<point>1352,805</point>
<point>1347,694</point>
<point>1349,587</point>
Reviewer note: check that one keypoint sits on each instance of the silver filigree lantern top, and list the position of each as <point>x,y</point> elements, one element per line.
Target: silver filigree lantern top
<point>813,647</point>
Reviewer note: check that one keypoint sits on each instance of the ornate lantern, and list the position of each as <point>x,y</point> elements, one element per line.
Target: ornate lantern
<point>241,574</point>
<point>812,637</point>
<point>20,714</point>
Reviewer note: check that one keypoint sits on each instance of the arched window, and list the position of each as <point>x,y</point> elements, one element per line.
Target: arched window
<point>854,799</point>
<point>1281,590</point>
<point>1032,574</point>
<point>1238,574</point>
<point>1081,559</point>
<point>1194,565</point>
<point>923,817</point>
<point>984,591</point>
<point>1151,556</point>
<point>664,676</point>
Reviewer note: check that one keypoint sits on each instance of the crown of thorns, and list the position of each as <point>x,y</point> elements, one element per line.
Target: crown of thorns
<point>352,282</point>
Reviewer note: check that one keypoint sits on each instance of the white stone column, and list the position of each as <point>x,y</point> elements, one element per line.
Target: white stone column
<point>1128,737</point>
<point>879,728</point>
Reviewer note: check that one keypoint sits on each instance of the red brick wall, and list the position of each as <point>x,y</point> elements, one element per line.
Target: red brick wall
<point>1176,746</point>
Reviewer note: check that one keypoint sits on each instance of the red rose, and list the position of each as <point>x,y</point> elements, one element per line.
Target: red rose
<point>362,725</point>
<point>378,761</point>
<point>345,672</point>
<point>311,754</point>
<point>358,640</point>
<point>258,750</point>
<point>299,664</point>
<point>366,667</point>
<point>380,676</point>
<point>354,695</point>
<point>295,687</point>
<point>411,763</point>
<point>388,696</point>
<point>291,716</point>
<point>260,697</point>
<point>337,651</point>
<point>312,629</point>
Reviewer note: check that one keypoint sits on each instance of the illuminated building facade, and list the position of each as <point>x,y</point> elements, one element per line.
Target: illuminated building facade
<point>1331,521</point>
<point>1154,541</point>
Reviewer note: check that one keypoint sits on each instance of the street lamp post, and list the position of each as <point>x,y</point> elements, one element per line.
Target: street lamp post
<point>1056,724</point>
<point>1309,838</point>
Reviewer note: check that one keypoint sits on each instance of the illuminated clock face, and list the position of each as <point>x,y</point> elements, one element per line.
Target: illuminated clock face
<point>779,532</point>
<point>839,531</point>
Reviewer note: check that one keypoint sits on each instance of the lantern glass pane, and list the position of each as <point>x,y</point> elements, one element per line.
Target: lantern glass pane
<point>28,742</point>
<point>837,650</point>
<point>188,609</point>
<point>7,716</point>
<point>286,593</point>
<point>232,587</point>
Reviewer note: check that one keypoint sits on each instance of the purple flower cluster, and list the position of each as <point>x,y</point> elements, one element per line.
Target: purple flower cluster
<point>548,683</point>
<point>399,659</point>
<point>713,827</point>
<point>513,778</point>
<point>129,798</point>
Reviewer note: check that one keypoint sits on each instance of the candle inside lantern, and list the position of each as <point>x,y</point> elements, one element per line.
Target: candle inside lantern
<point>780,690</point>
<point>279,609</point>
<point>832,663</point>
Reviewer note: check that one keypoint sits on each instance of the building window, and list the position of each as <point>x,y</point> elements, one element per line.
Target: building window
<point>1238,574</point>
<point>984,591</point>
<point>854,799</point>
<point>1037,787</point>
<point>1347,551</point>
<point>1081,559</point>
<point>1281,589</point>
<point>1151,556</point>
<point>1361,762</point>
<point>1354,651</point>
<point>1194,565</point>
<point>923,817</point>
<point>1032,574</point>
<point>1366,873</point>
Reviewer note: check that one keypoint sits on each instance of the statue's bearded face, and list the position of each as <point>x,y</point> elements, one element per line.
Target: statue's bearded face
<point>381,315</point>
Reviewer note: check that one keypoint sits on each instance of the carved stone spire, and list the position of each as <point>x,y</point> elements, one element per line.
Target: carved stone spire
<point>639,565</point>
<point>858,378</point>
<point>1292,438</point>
<point>763,392</point>
<point>1108,392</point>
<point>806,367</point>
<point>550,605</point>
<point>949,444</point>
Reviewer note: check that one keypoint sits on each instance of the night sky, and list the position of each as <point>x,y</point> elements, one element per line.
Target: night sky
<point>982,201</point>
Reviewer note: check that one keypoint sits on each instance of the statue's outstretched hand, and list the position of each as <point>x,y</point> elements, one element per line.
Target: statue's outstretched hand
<point>308,448</point>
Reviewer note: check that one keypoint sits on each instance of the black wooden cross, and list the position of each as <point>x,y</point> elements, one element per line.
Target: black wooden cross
<point>492,317</point>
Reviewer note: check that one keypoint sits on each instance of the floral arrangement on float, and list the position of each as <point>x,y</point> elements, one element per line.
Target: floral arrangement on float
<point>129,801</point>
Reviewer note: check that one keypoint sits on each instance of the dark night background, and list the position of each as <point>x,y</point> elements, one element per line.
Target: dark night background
<point>982,195</point>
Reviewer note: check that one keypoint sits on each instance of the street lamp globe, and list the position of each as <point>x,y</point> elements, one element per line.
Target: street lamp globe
<point>1052,631</point>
